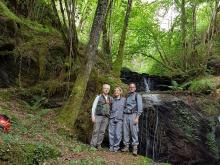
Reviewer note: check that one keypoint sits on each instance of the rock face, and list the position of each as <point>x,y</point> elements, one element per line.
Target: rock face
<point>145,82</point>
<point>26,52</point>
<point>214,65</point>
<point>171,130</point>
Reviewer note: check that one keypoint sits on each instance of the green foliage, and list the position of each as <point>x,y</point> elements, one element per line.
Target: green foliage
<point>205,84</point>
<point>19,151</point>
<point>178,87</point>
<point>33,25</point>
<point>35,103</point>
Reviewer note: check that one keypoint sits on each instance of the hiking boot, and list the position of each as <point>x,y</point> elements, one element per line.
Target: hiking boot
<point>111,149</point>
<point>125,149</point>
<point>99,147</point>
<point>134,150</point>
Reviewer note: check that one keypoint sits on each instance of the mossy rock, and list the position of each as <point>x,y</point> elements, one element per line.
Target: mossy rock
<point>205,85</point>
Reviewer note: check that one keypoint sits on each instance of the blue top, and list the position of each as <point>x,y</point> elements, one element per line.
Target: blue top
<point>134,104</point>
<point>117,109</point>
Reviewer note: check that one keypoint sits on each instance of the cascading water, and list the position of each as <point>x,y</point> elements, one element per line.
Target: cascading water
<point>147,84</point>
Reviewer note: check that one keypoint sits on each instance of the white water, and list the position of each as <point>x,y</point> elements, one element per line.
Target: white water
<point>147,84</point>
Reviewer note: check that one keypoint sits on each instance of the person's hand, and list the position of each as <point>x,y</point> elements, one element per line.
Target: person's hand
<point>93,119</point>
<point>136,119</point>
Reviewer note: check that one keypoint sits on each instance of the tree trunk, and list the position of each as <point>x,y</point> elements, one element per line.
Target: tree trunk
<point>212,27</point>
<point>69,32</point>
<point>119,59</point>
<point>106,41</point>
<point>194,51</point>
<point>70,112</point>
<point>63,32</point>
<point>183,27</point>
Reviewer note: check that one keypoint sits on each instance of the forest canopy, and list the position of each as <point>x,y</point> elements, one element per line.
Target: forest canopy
<point>164,37</point>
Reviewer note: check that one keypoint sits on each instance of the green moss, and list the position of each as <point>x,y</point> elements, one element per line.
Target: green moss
<point>7,13</point>
<point>15,150</point>
<point>205,84</point>
<point>212,144</point>
<point>28,23</point>
<point>42,62</point>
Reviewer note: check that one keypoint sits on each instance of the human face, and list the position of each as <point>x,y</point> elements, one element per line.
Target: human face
<point>105,89</point>
<point>117,92</point>
<point>132,87</point>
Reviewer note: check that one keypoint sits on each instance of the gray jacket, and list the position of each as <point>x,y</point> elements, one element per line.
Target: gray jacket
<point>133,104</point>
<point>117,108</point>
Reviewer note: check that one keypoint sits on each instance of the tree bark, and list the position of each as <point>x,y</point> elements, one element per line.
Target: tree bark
<point>119,59</point>
<point>212,27</point>
<point>63,32</point>
<point>70,112</point>
<point>194,36</point>
<point>106,41</point>
<point>183,27</point>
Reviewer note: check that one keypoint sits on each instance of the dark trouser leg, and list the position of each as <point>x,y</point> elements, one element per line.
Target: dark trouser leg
<point>95,133</point>
<point>103,126</point>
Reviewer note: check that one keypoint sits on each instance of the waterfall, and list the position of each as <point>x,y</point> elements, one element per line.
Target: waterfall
<point>147,84</point>
<point>150,127</point>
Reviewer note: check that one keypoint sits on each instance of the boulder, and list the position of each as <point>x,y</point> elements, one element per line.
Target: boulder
<point>171,130</point>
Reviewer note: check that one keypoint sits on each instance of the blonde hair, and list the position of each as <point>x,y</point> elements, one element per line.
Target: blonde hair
<point>119,88</point>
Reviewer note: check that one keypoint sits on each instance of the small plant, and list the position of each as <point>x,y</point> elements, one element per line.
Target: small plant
<point>35,103</point>
<point>178,87</point>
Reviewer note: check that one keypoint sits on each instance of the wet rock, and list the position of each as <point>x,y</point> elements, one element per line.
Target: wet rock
<point>154,82</point>
<point>173,131</point>
<point>214,65</point>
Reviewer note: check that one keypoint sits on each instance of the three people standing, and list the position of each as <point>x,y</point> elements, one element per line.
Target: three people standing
<point>123,115</point>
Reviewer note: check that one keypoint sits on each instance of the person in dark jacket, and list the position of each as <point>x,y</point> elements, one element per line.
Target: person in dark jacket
<point>132,111</point>
<point>100,116</point>
<point>116,120</point>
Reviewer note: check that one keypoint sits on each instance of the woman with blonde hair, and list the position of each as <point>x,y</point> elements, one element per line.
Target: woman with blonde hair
<point>116,120</point>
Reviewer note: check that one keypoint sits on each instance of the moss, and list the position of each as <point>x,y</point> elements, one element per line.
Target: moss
<point>42,62</point>
<point>18,151</point>
<point>26,22</point>
<point>7,13</point>
<point>205,84</point>
<point>212,144</point>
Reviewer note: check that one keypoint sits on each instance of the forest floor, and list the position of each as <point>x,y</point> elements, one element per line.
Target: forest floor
<point>42,140</point>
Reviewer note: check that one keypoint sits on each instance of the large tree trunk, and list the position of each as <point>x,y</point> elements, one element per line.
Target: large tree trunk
<point>183,27</point>
<point>106,36</point>
<point>194,36</point>
<point>212,27</point>
<point>72,108</point>
<point>119,59</point>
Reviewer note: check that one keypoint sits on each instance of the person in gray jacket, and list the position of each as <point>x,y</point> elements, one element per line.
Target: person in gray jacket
<point>100,116</point>
<point>132,111</point>
<point>116,119</point>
